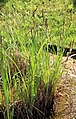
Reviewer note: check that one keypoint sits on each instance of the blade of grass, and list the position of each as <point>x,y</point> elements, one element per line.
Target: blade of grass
<point>4,79</point>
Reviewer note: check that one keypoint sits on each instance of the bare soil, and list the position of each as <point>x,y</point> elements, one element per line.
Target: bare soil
<point>65,99</point>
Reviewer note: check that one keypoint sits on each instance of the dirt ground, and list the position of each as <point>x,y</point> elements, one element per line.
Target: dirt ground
<point>65,100</point>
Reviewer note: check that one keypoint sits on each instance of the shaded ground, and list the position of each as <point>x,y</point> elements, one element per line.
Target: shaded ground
<point>65,100</point>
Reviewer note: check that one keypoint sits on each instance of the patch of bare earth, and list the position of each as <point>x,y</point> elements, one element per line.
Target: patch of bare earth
<point>65,99</point>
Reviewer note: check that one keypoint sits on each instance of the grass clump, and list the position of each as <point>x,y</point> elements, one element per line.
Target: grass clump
<point>27,81</point>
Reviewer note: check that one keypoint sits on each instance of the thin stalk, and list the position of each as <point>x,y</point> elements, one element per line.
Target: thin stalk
<point>4,79</point>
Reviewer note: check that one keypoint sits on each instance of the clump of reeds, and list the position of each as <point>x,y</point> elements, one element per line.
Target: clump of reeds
<point>25,84</point>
